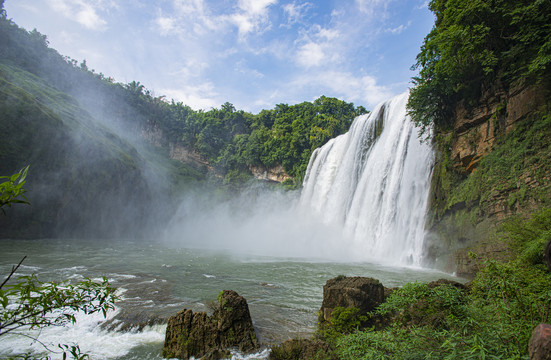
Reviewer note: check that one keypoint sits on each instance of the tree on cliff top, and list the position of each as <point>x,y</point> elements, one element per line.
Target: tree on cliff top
<point>473,45</point>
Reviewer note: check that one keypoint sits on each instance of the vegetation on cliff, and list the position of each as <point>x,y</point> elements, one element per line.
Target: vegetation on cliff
<point>474,45</point>
<point>476,50</point>
<point>229,140</point>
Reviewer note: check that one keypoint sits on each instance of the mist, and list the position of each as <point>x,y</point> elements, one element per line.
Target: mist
<point>258,221</point>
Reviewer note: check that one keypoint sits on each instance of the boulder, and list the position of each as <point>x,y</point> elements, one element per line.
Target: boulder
<point>539,346</point>
<point>362,293</point>
<point>198,335</point>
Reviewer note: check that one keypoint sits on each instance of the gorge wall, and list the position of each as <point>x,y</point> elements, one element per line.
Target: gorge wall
<point>492,165</point>
<point>184,154</point>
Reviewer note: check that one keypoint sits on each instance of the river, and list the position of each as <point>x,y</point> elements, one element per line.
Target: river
<point>155,280</point>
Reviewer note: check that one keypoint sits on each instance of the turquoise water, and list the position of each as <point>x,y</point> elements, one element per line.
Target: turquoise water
<point>155,281</point>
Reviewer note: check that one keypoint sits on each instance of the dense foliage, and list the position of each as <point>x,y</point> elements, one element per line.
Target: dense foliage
<point>477,44</point>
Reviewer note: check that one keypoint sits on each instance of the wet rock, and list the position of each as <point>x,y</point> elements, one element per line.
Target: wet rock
<point>209,337</point>
<point>539,346</point>
<point>362,293</point>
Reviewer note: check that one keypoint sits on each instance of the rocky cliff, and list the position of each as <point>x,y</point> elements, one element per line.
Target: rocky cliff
<point>477,128</point>
<point>274,174</point>
<point>493,164</point>
<point>179,152</point>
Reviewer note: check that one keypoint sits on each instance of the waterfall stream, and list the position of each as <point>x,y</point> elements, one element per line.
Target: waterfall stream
<point>374,182</point>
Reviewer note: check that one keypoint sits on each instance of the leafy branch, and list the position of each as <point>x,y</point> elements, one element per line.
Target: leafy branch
<point>28,303</point>
<point>12,191</point>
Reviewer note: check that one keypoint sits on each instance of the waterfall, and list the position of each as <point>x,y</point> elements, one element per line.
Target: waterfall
<point>374,182</point>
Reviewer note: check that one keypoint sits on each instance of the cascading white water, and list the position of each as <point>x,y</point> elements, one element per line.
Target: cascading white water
<point>374,181</point>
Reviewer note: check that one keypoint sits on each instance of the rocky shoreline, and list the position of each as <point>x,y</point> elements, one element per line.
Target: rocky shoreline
<point>230,327</point>
<point>354,299</point>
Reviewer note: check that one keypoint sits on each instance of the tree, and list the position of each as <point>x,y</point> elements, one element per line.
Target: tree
<point>474,45</point>
<point>2,10</point>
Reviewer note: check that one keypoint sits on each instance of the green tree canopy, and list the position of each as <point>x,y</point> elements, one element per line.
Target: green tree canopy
<point>474,44</point>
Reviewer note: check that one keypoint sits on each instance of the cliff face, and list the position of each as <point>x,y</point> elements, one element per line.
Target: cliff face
<point>477,128</point>
<point>492,165</point>
<point>185,155</point>
<point>275,174</point>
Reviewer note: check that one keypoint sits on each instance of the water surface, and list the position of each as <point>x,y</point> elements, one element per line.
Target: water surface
<point>155,281</point>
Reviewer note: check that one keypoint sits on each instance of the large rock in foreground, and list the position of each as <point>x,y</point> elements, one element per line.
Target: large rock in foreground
<point>539,347</point>
<point>361,293</point>
<point>209,337</point>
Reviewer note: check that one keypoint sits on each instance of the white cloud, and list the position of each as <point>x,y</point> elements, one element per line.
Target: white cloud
<point>242,68</point>
<point>399,29</point>
<point>190,7</point>
<point>347,86</point>
<point>165,25</point>
<point>256,7</point>
<point>371,7</point>
<point>201,97</point>
<point>328,34</point>
<point>295,13</point>
<point>310,54</point>
<point>195,18</point>
<point>318,47</point>
<point>192,68</point>
<point>252,16</point>
<point>423,5</point>
<point>190,18</point>
<point>83,12</point>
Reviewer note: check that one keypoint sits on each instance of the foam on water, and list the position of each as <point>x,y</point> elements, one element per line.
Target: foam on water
<point>87,333</point>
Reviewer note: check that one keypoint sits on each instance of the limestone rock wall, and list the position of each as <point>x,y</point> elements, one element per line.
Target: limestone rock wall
<point>477,128</point>
<point>275,174</point>
<point>478,131</point>
<point>185,155</point>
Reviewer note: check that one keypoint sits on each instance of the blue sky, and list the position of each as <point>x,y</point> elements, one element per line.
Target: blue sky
<point>252,53</point>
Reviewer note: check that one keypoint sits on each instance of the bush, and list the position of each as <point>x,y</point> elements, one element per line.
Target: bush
<point>344,320</point>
